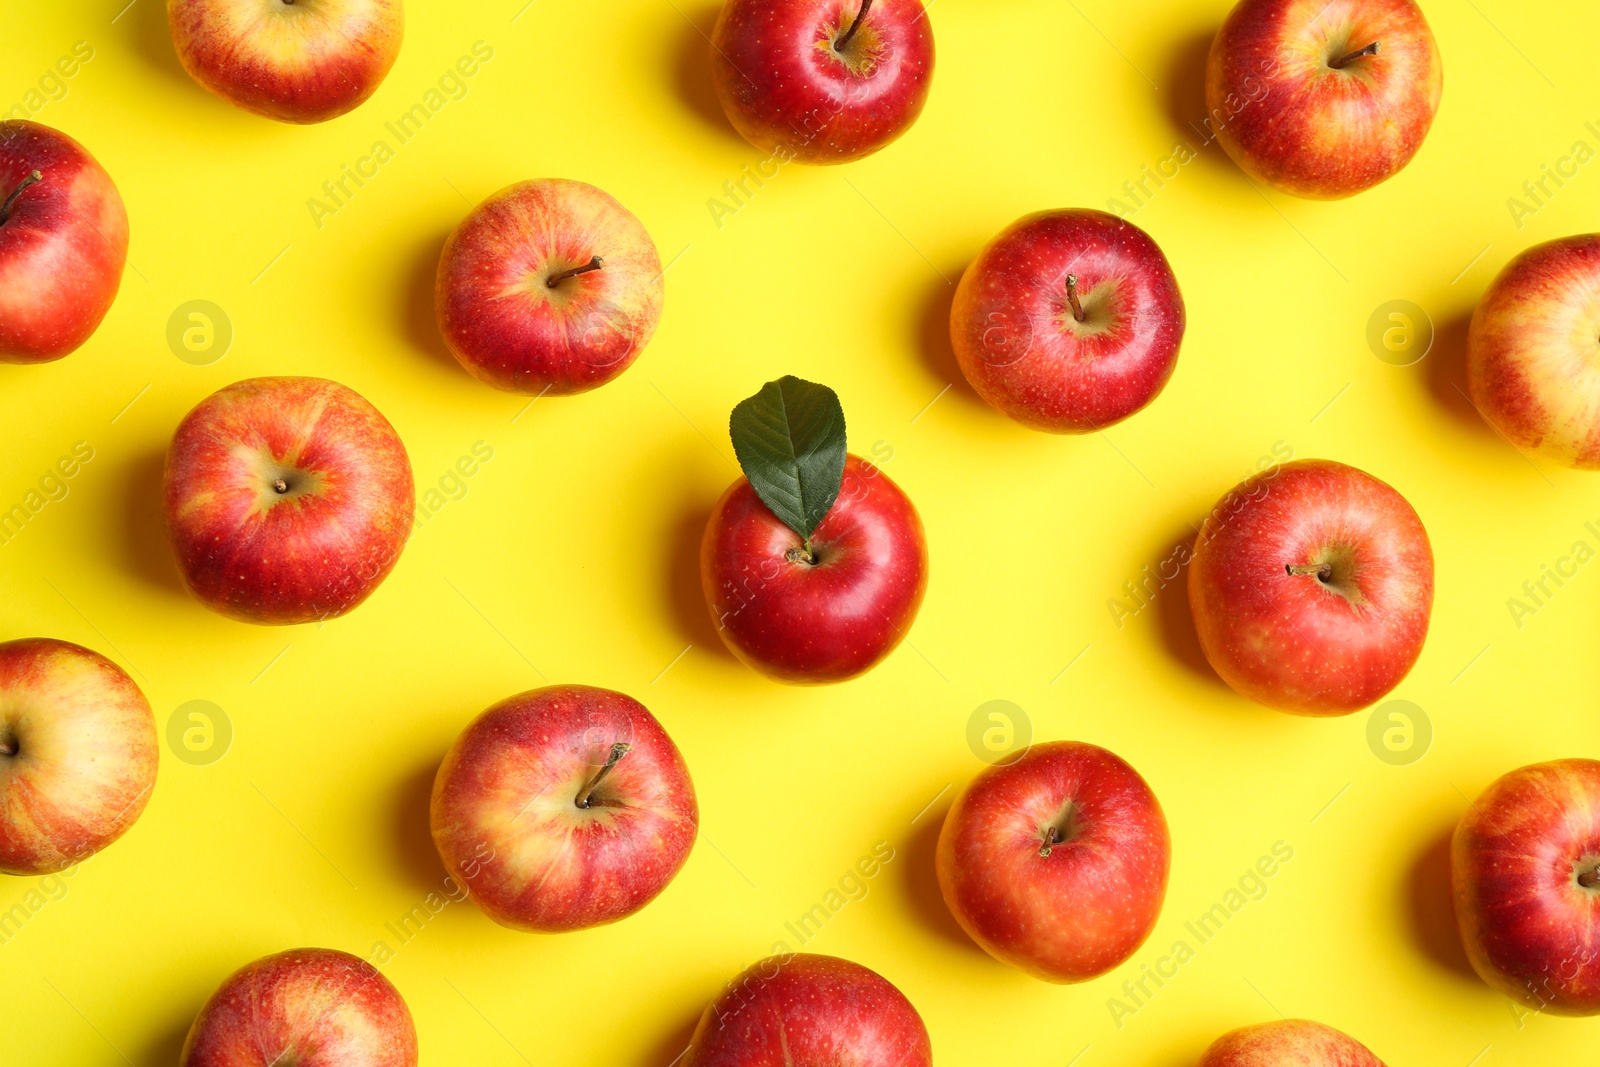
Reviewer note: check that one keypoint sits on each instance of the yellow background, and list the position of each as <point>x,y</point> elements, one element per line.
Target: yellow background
<point>572,557</point>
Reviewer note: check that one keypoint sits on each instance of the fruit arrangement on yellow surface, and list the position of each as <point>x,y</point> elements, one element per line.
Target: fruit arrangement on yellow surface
<point>1311,583</point>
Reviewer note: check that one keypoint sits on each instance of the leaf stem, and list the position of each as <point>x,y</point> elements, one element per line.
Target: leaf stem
<point>586,794</point>
<point>1072,298</point>
<point>1346,60</point>
<point>842,43</point>
<point>5,210</point>
<point>556,279</point>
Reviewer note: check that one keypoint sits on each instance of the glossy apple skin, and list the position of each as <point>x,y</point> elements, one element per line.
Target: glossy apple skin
<point>1090,904</point>
<point>1020,344</point>
<point>78,754</point>
<point>811,623</point>
<point>1533,351</point>
<point>1290,119</point>
<point>1291,641</point>
<point>788,91</point>
<point>303,62</point>
<point>507,825</point>
<point>62,248</point>
<point>803,1009</point>
<point>309,1007</point>
<point>1530,929</point>
<point>1288,1043</point>
<point>505,323</point>
<point>312,553</point>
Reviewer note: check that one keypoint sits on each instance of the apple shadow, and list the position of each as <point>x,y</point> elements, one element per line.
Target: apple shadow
<point>692,70</point>
<point>152,35</point>
<point>933,340</point>
<point>919,874</point>
<point>421,320</point>
<point>166,1046</point>
<point>1184,97</point>
<point>144,546</point>
<point>685,596</point>
<point>1175,616</point>
<point>1432,908</point>
<point>413,837</point>
<point>1445,372</point>
<point>672,1045</point>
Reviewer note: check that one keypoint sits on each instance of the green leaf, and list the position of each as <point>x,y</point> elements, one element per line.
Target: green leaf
<point>790,441</point>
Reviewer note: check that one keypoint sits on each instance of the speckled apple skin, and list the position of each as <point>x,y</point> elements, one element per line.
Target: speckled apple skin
<point>1533,351</point>
<point>1288,1043</point>
<point>802,1010</point>
<point>1019,343</point>
<point>509,328</point>
<point>1529,928</point>
<point>822,622</point>
<point>85,754</point>
<point>308,1007</point>
<point>508,828</point>
<point>788,92</point>
<point>301,62</point>
<point>256,557</point>
<point>1290,119</point>
<point>1284,640</point>
<point>1089,905</point>
<point>63,247</point>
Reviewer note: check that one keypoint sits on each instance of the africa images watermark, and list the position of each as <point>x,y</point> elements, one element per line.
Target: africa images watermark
<point>53,486</point>
<point>52,86</point>
<point>1251,887</point>
<point>1537,193</point>
<point>1138,192</point>
<point>1538,592</point>
<point>341,189</point>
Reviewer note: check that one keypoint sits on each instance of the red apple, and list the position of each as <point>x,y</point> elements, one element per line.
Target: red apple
<point>564,808</point>
<point>78,754</point>
<point>1525,868</point>
<point>1288,1043</point>
<point>823,615</point>
<point>1323,98</point>
<point>548,287</point>
<point>810,1010</point>
<point>287,499</point>
<point>1068,321</point>
<point>822,81</point>
<point>1311,587</point>
<point>291,60</point>
<point>1056,862</point>
<point>1532,347</point>
<point>308,1007</point>
<point>63,243</point>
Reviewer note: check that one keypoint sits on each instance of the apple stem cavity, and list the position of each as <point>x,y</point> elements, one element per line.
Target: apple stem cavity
<point>5,210</point>
<point>1324,572</point>
<point>280,486</point>
<point>1072,298</point>
<point>844,42</point>
<point>8,746</point>
<point>1590,878</point>
<point>1346,60</point>
<point>556,279</point>
<point>586,794</point>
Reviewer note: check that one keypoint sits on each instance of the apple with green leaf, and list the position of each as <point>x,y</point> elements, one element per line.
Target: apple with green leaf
<point>814,564</point>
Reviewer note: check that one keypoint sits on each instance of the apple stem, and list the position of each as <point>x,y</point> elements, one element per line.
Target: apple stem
<point>1072,298</point>
<point>801,554</point>
<point>1052,836</point>
<point>618,750</point>
<point>1324,572</point>
<point>844,42</point>
<point>280,486</point>
<point>1590,878</point>
<point>1344,61</point>
<point>8,746</point>
<point>5,210</point>
<point>556,279</point>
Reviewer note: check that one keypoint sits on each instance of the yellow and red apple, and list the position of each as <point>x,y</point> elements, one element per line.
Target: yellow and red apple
<point>63,243</point>
<point>1323,98</point>
<point>1288,1043</point>
<point>297,61</point>
<point>548,286</point>
<point>287,499</point>
<point>564,808</point>
<point>78,754</point>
